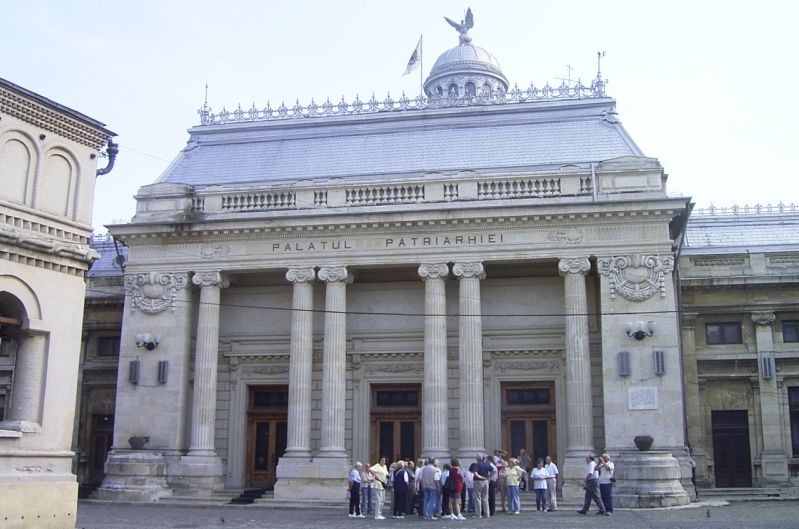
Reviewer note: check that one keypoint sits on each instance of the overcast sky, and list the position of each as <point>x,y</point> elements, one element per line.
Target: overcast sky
<point>708,88</point>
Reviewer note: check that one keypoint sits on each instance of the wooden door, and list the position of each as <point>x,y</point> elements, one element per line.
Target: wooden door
<point>267,434</point>
<point>528,419</point>
<point>396,425</point>
<point>100,439</point>
<point>731,453</point>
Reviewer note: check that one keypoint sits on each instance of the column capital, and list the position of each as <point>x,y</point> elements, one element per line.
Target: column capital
<point>574,265</point>
<point>335,274</point>
<point>208,279</point>
<point>433,270</point>
<point>763,318</point>
<point>301,275</point>
<point>474,270</point>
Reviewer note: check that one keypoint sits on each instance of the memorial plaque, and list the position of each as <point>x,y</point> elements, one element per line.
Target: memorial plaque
<point>642,398</point>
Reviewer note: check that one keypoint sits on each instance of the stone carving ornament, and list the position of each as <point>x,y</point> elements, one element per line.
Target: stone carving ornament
<point>567,235</point>
<point>210,251</point>
<point>469,270</point>
<point>636,277</point>
<point>154,292</point>
<point>578,265</point>
<point>763,317</point>
<point>301,275</point>
<point>333,274</point>
<point>434,271</point>
<point>209,279</point>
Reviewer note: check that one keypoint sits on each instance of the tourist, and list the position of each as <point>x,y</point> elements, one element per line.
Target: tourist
<point>526,464</point>
<point>455,489</point>
<point>354,488</point>
<point>592,486</point>
<point>552,484</point>
<point>539,476</point>
<point>380,473</point>
<point>401,482</point>
<point>367,480</point>
<point>492,486</point>
<point>410,497</point>
<point>482,476</point>
<point>513,476</point>
<point>444,491</point>
<point>430,482</point>
<point>468,481</point>
<point>606,480</point>
<point>502,464</point>
<point>419,490</point>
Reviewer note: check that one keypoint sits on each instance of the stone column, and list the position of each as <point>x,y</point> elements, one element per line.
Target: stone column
<point>300,363</point>
<point>203,411</point>
<point>773,458</point>
<point>579,405</point>
<point>470,357</point>
<point>26,396</point>
<point>334,361</point>
<point>435,442</point>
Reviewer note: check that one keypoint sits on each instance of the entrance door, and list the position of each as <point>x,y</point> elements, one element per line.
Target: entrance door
<point>266,434</point>
<point>396,422</point>
<point>528,419</point>
<point>100,440</point>
<point>731,454</point>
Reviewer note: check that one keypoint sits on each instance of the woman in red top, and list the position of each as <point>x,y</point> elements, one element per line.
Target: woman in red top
<point>456,488</point>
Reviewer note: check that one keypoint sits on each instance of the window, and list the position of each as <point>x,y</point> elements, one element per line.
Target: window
<point>271,399</point>
<point>453,90</point>
<point>471,90</point>
<point>723,333</point>
<point>108,346</point>
<point>793,406</point>
<point>790,331</point>
<point>526,396</point>
<point>401,398</point>
<point>8,346</point>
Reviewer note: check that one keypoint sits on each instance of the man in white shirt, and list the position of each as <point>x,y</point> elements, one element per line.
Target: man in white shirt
<point>552,483</point>
<point>606,467</point>
<point>592,486</point>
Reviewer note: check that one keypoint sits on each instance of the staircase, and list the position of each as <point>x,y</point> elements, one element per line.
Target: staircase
<point>248,496</point>
<point>746,493</point>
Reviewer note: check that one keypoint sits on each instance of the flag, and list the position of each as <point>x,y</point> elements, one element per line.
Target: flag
<point>416,57</point>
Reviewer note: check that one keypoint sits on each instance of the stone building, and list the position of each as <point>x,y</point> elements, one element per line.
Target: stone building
<point>739,278</point>
<point>48,166</point>
<point>450,274</point>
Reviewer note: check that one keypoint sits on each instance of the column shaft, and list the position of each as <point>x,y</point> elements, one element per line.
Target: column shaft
<point>300,364</point>
<point>26,395</point>
<point>435,442</point>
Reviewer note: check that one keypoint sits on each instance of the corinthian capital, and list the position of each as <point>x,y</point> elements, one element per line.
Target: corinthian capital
<point>433,270</point>
<point>334,274</point>
<point>575,265</point>
<point>210,279</point>
<point>301,275</point>
<point>766,317</point>
<point>469,270</point>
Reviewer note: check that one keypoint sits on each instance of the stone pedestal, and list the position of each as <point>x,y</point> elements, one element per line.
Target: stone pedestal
<point>197,475</point>
<point>134,476</point>
<point>648,479</point>
<point>323,479</point>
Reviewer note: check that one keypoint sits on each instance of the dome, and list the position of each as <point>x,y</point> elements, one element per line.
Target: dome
<point>464,65</point>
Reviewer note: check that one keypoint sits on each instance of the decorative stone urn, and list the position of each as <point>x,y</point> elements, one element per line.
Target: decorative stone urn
<point>643,442</point>
<point>138,442</point>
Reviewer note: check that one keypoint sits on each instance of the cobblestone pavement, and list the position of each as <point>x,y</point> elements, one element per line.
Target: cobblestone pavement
<point>744,515</point>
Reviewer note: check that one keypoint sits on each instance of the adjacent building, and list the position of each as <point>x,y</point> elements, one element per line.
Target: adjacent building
<point>48,166</point>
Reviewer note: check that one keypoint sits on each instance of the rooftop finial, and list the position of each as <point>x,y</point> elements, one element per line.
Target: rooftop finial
<point>464,27</point>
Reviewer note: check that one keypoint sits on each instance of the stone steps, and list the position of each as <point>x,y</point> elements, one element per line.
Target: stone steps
<point>748,493</point>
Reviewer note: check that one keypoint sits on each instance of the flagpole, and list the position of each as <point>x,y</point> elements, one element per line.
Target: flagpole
<point>421,66</point>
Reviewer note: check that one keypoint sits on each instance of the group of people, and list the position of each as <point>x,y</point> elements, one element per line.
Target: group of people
<point>599,482</point>
<point>432,490</point>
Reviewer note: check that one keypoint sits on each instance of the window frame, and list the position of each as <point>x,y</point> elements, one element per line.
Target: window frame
<point>795,331</point>
<point>723,338</point>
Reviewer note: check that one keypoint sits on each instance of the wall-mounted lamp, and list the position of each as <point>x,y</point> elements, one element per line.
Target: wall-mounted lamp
<point>624,363</point>
<point>640,330</point>
<point>148,341</point>
<point>659,358</point>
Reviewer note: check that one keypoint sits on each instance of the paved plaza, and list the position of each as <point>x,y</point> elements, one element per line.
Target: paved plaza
<point>744,515</point>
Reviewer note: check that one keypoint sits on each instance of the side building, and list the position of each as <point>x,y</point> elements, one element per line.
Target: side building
<point>739,279</point>
<point>48,167</point>
<point>451,274</point>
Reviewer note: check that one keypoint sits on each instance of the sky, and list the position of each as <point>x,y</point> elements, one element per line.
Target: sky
<point>704,86</point>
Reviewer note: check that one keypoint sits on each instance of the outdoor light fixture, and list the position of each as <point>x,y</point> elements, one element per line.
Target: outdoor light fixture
<point>640,330</point>
<point>148,341</point>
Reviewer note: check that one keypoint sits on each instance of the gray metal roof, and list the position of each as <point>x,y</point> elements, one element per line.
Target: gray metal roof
<point>516,135</point>
<point>738,229</point>
<point>107,264</point>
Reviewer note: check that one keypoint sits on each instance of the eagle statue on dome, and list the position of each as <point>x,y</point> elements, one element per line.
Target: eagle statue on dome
<point>464,27</point>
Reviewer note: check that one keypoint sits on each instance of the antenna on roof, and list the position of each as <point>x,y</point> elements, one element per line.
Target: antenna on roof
<point>568,78</point>
<point>599,56</point>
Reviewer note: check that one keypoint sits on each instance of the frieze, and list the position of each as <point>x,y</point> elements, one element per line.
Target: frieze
<point>154,292</point>
<point>533,365</point>
<point>264,370</point>
<point>212,251</point>
<point>636,277</point>
<point>567,235</point>
<point>374,369</point>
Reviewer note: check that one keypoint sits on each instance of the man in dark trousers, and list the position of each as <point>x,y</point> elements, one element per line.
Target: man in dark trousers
<point>482,475</point>
<point>400,489</point>
<point>592,486</point>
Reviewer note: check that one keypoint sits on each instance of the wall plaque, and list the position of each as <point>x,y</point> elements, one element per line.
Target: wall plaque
<point>642,399</point>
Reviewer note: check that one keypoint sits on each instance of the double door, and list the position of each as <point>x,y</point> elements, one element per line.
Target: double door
<point>267,437</point>
<point>395,437</point>
<point>731,453</point>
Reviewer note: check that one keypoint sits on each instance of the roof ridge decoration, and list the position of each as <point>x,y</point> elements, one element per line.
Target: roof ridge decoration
<point>595,90</point>
<point>746,209</point>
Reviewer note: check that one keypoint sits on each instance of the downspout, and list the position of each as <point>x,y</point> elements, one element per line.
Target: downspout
<point>594,183</point>
<point>112,150</point>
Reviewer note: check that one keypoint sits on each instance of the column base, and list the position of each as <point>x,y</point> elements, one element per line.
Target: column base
<point>197,475</point>
<point>470,454</point>
<point>321,478</point>
<point>138,475</point>
<point>648,479</point>
<point>774,470</point>
<point>572,475</point>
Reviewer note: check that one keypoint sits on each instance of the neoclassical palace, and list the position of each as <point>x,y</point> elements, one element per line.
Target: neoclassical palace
<point>482,267</point>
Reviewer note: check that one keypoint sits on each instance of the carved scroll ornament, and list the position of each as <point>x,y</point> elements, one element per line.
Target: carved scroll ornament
<point>469,270</point>
<point>763,317</point>
<point>636,277</point>
<point>154,292</point>
<point>434,271</point>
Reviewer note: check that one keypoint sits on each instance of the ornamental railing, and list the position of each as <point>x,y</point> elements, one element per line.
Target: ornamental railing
<point>746,209</point>
<point>342,108</point>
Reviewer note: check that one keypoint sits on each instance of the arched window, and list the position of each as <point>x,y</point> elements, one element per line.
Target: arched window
<point>470,89</point>
<point>453,90</point>
<point>486,89</point>
<point>440,91</point>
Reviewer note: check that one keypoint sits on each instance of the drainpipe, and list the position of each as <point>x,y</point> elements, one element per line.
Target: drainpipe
<point>594,183</point>
<point>112,150</point>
